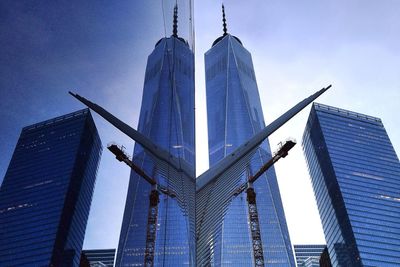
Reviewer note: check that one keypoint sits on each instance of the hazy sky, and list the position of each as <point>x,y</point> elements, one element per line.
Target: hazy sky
<point>99,50</point>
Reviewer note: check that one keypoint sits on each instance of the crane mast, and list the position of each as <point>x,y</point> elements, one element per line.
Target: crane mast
<point>154,198</point>
<point>252,203</point>
<point>247,186</point>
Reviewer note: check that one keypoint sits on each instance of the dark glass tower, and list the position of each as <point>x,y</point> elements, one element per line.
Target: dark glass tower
<point>355,174</point>
<point>167,118</point>
<point>100,256</point>
<point>234,116</point>
<point>47,190</point>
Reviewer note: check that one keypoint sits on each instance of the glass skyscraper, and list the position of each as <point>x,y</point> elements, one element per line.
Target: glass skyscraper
<point>308,255</point>
<point>167,119</point>
<point>100,256</point>
<point>171,217</point>
<point>355,174</point>
<point>47,190</point>
<point>234,116</point>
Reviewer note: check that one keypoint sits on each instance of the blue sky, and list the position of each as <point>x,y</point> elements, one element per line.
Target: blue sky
<point>99,50</point>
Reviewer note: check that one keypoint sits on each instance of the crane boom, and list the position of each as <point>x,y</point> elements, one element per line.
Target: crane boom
<point>154,199</point>
<point>252,203</point>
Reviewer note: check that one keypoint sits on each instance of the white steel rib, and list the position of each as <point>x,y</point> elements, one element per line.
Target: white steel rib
<point>214,188</point>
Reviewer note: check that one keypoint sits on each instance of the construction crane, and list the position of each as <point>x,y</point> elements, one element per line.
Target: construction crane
<point>156,189</point>
<point>251,199</point>
<point>247,186</point>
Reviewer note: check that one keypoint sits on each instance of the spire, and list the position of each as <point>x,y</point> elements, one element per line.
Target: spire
<point>224,20</point>
<point>175,25</point>
<point>224,29</point>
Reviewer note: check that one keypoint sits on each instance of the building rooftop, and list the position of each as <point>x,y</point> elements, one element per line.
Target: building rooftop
<point>57,119</point>
<point>347,113</point>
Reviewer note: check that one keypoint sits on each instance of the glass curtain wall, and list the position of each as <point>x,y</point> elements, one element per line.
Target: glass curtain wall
<point>167,118</point>
<point>47,191</point>
<point>235,115</point>
<point>355,174</point>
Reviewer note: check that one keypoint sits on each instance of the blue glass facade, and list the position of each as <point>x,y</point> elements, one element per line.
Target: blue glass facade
<point>47,190</point>
<point>235,115</point>
<point>308,255</point>
<point>167,118</point>
<point>355,174</point>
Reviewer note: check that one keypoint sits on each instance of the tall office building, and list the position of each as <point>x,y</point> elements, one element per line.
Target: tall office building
<point>101,257</point>
<point>308,255</point>
<point>324,259</point>
<point>235,115</point>
<point>47,190</point>
<point>167,119</point>
<point>355,174</point>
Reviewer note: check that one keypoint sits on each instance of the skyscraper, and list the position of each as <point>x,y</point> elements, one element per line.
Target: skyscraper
<point>235,115</point>
<point>173,218</point>
<point>324,259</point>
<point>100,256</point>
<point>355,174</point>
<point>308,255</point>
<point>167,118</point>
<point>46,193</point>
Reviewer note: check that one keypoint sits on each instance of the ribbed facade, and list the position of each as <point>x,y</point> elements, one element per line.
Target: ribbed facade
<point>308,255</point>
<point>234,116</point>
<point>167,119</point>
<point>100,256</point>
<point>47,190</point>
<point>355,174</point>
